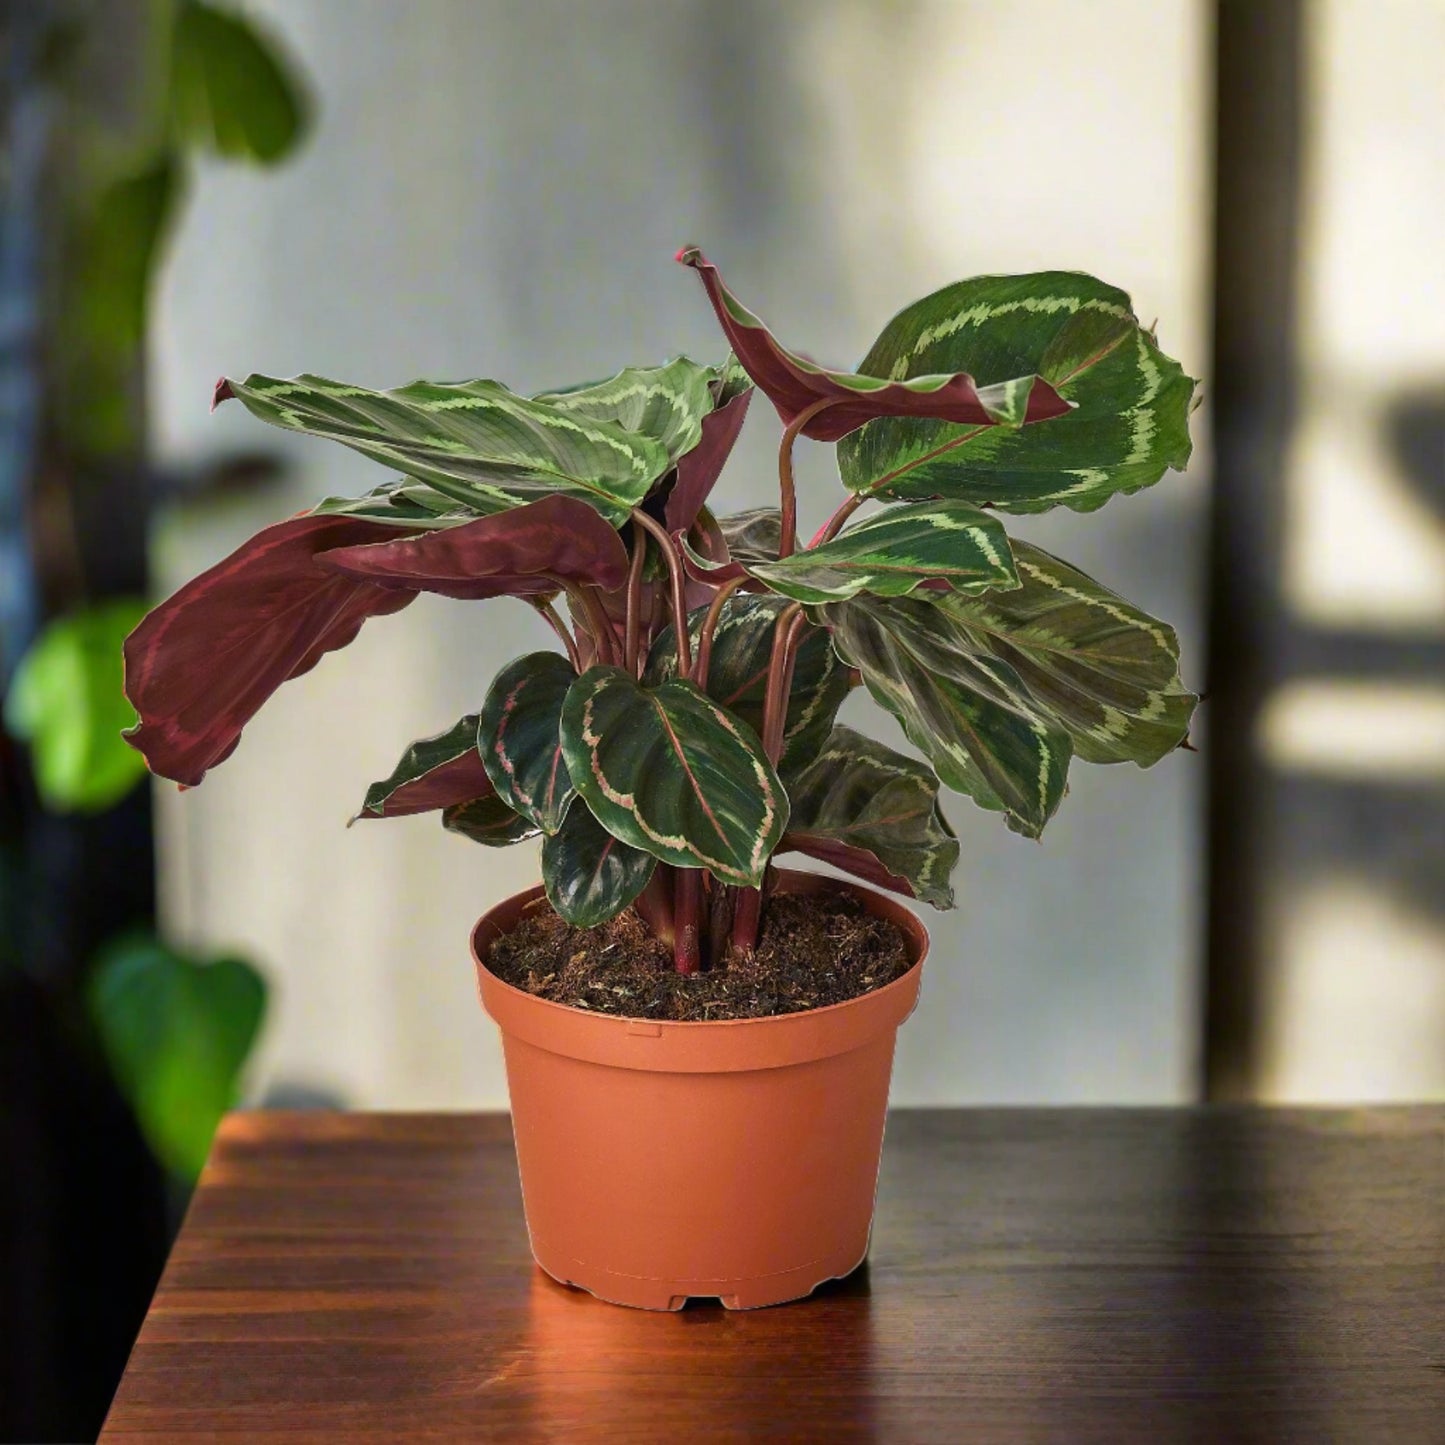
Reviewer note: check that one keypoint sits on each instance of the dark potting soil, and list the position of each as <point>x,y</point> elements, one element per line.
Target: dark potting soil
<point>813,950</point>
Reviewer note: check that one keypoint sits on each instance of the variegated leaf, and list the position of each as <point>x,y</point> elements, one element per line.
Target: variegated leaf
<point>753,536</point>
<point>401,503</point>
<point>895,551</point>
<point>474,441</point>
<point>969,714</point>
<point>793,384</point>
<point>699,469</point>
<point>874,813</point>
<point>1101,667</point>
<point>666,403</point>
<point>589,875</point>
<point>488,820</point>
<point>517,735</point>
<point>433,773</point>
<point>669,771</point>
<point>1131,403</point>
<point>738,672</point>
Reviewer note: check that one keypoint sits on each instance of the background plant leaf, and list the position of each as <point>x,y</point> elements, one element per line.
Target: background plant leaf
<point>737,674</point>
<point>1103,669</point>
<point>873,812</point>
<point>67,703</point>
<point>792,383</point>
<point>669,771</point>
<point>433,773</point>
<point>518,737</point>
<point>896,551</point>
<point>231,89</point>
<point>177,1032</point>
<point>969,714</point>
<point>590,876</point>
<point>1129,426</point>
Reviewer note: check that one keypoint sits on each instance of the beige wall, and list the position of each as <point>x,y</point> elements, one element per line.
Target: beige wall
<point>497,189</point>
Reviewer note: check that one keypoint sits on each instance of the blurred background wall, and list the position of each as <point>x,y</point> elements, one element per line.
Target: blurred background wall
<point>497,189</point>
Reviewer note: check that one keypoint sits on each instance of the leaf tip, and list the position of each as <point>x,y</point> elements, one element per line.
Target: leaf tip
<point>690,255</point>
<point>221,393</point>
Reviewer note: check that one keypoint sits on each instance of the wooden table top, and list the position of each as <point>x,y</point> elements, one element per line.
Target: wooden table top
<point>1060,1275</point>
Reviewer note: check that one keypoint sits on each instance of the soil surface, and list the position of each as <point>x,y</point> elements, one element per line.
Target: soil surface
<point>814,950</point>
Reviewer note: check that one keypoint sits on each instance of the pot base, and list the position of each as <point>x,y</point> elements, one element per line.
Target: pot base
<point>672,1294</point>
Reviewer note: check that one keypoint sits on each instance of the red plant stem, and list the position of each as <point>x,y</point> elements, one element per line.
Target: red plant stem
<point>780,674</point>
<point>655,904</point>
<point>587,609</point>
<point>554,621</point>
<point>834,524</point>
<point>747,917</point>
<point>679,588</point>
<point>787,492</point>
<point>687,919</point>
<point>709,627</point>
<point>632,643</point>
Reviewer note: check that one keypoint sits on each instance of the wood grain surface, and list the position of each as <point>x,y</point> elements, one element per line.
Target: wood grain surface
<point>1036,1275</point>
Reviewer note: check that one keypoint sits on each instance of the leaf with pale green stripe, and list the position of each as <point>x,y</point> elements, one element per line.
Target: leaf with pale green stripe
<point>517,736</point>
<point>969,714</point>
<point>489,821</point>
<point>405,503</point>
<point>433,773</point>
<point>738,671</point>
<point>753,536</point>
<point>1129,425</point>
<point>1104,669</point>
<point>589,875</point>
<point>669,771</point>
<point>474,441</point>
<point>874,813</point>
<point>890,554</point>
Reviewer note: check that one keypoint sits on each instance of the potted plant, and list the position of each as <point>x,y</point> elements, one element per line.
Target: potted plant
<point>699,1043</point>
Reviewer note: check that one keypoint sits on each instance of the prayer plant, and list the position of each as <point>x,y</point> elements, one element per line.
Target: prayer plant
<point>686,733</point>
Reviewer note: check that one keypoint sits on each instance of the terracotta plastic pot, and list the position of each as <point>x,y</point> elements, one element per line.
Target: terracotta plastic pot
<point>736,1159</point>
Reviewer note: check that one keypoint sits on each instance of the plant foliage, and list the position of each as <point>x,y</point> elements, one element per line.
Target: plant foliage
<point>689,726</point>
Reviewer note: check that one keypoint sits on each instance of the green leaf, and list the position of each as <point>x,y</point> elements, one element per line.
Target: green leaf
<point>738,673</point>
<point>669,771</point>
<point>433,773</point>
<point>403,503</point>
<point>666,403</point>
<point>517,735</point>
<point>231,91</point>
<point>897,550</point>
<point>489,821</point>
<point>590,876</point>
<point>177,1032</point>
<point>969,714</point>
<point>1129,426</point>
<point>473,441</point>
<point>67,702</point>
<point>753,536</point>
<point>1103,669</point>
<point>873,812</point>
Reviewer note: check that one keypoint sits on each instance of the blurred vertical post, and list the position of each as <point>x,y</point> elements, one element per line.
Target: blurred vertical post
<point>1258,100</point>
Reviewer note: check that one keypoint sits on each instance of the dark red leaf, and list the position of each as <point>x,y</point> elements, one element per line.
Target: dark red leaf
<point>458,781</point>
<point>793,383</point>
<point>700,468</point>
<point>847,858</point>
<point>507,554</point>
<point>200,665</point>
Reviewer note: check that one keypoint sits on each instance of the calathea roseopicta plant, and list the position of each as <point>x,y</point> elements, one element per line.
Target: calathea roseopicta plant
<point>686,732</point>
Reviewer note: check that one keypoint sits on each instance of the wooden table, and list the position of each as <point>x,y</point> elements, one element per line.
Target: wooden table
<point>1040,1275</point>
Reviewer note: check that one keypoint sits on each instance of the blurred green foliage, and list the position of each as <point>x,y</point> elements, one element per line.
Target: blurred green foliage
<point>66,702</point>
<point>176,1032</point>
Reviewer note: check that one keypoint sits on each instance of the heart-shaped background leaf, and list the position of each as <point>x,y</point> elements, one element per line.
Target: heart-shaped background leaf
<point>518,737</point>
<point>969,714</point>
<point>1129,426</point>
<point>892,553</point>
<point>738,673</point>
<point>433,773</point>
<point>793,384</point>
<point>669,771</point>
<point>874,813</point>
<point>589,875</point>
